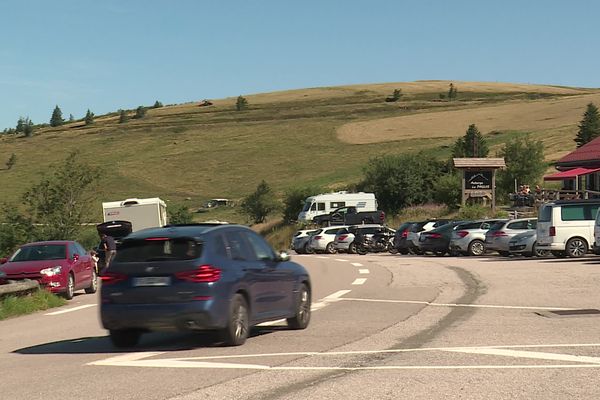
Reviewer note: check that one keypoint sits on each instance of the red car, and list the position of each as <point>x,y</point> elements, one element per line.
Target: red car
<point>61,266</point>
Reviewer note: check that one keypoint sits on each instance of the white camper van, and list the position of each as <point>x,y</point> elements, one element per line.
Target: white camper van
<point>325,203</point>
<point>142,213</point>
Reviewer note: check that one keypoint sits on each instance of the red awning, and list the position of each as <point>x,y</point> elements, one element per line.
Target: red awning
<point>570,174</point>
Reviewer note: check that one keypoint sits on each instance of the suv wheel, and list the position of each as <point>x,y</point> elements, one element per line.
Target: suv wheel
<point>302,317</point>
<point>308,249</point>
<point>576,247</point>
<point>93,284</point>
<point>238,324</point>
<point>352,248</point>
<point>476,248</point>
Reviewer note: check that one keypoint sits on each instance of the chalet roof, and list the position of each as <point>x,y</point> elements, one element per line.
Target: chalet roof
<point>587,154</point>
<point>479,162</point>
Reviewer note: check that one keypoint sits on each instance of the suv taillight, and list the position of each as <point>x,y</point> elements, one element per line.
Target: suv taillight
<point>499,234</point>
<point>434,235</point>
<point>405,233</point>
<point>462,234</point>
<point>552,231</point>
<point>110,278</point>
<point>204,273</point>
<point>343,237</point>
<point>317,237</point>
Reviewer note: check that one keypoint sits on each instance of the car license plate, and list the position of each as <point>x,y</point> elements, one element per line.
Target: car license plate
<point>152,281</point>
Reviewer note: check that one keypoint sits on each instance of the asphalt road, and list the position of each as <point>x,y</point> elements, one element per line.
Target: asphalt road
<point>383,327</point>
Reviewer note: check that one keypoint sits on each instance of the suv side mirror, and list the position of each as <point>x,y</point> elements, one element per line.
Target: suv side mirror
<point>282,256</point>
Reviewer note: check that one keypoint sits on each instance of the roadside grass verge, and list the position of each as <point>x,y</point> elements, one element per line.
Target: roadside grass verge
<point>12,306</point>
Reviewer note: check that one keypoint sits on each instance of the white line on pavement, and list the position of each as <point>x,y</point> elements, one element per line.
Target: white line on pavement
<point>336,296</point>
<point>71,309</point>
<point>458,305</point>
<point>359,281</point>
<point>363,271</point>
<point>322,257</point>
<point>340,259</point>
<point>357,264</point>
<point>137,359</point>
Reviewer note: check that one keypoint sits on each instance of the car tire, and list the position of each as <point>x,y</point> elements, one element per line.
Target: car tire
<point>307,249</point>
<point>93,284</point>
<point>538,252</point>
<point>70,290</point>
<point>576,247</point>
<point>330,248</point>
<point>238,322</point>
<point>352,248</point>
<point>504,253</point>
<point>302,317</point>
<point>124,337</point>
<point>476,248</point>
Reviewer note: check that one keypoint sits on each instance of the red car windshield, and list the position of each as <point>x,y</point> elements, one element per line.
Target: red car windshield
<point>40,253</point>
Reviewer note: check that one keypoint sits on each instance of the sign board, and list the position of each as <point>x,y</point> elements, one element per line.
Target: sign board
<point>478,180</point>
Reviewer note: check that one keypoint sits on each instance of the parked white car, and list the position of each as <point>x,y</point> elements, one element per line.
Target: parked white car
<point>323,241</point>
<point>566,227</point>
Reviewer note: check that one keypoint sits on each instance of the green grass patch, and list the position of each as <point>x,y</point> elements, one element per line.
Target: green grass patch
<point>12,306</point>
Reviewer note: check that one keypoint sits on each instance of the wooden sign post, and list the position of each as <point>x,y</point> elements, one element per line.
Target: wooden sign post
<point>479,178</point>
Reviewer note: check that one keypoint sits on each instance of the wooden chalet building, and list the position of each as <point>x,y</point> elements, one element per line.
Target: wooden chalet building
<point>580,170</point>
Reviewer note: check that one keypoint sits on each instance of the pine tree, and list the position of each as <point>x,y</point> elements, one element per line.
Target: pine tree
<point>71,118</point>
<point>241,103</point>
<point>140,112</point>
<point>157,104</point>
<point>28,127</point>
<point>89,117</point>
<point>397,94</point>
<point>56,119</point>
<point>123,116</point>
<point>589,126</point>
<point>452,91</point>
<point>472,144</point>
<point>20,125</point>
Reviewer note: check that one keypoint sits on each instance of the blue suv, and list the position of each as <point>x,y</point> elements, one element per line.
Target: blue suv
<point>218,277</point>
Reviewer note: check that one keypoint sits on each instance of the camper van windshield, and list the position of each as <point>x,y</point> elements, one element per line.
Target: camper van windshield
<point>307,206</point>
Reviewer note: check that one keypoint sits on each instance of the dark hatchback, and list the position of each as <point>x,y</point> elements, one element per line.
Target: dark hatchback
<point>401,242</point>
<point>437,241</point>
<point>218,277</point>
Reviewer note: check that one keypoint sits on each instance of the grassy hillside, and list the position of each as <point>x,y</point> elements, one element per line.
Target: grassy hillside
<point>188,154</point>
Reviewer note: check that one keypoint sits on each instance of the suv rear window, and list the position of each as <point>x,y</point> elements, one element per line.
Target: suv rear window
<point>156,249</point>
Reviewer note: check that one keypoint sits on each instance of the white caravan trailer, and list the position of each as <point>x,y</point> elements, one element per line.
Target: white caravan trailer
<point>325,203</point>
<point>142,213</point>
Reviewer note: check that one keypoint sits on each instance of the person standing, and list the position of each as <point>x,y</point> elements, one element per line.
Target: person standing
<point>110,249</point>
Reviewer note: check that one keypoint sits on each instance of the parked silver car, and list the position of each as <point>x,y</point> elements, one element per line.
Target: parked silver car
<point>469,238</point>
<point>498,236</point>
<point>525,244</point>
<point>300,240</point>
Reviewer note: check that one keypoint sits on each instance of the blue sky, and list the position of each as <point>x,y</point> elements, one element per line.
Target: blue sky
<point>104,55</point>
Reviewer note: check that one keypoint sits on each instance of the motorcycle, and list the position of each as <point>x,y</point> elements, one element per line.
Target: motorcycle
<point>378,243</point>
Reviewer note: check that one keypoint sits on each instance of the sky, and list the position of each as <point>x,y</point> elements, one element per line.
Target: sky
<point>106,55</point>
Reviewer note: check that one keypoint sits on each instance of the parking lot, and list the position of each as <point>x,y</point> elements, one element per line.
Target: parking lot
<point>383,326</point>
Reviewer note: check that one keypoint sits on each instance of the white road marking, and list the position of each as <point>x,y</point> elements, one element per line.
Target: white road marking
<point>357,264</point>
<point>340,259</point>
<point>314,306</point>
<point>458,305</point>
<point>363,271</point>
<point>336,296</point>
<point>71,309</point>
<point>322,257</point>
<point>530,354</point>
<point>359,281</point>
<point>138,359</point>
